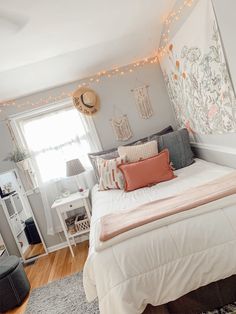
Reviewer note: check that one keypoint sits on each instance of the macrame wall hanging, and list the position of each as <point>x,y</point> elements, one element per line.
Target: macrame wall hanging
<point>121,128</point>
<point>143,101</point>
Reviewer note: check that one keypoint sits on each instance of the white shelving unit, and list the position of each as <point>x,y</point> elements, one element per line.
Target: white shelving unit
<point>17,210</point>
<point>16,218</point>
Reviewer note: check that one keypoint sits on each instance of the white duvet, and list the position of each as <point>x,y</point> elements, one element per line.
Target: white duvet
<point>160,264</point>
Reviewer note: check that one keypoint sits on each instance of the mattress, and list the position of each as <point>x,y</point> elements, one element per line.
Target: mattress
<point>165,263</point>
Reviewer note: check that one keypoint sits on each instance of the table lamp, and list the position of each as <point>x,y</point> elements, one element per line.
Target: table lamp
<point>73,169</point>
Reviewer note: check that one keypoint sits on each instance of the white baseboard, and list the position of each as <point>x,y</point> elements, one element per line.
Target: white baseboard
<point>215,148</point>
<point>62,245</point>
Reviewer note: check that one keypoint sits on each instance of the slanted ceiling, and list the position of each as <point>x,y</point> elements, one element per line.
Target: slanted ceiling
<point>48,43</point>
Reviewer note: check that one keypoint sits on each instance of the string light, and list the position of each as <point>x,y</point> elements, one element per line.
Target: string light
<point>105,74</point>
<point>172,17</point>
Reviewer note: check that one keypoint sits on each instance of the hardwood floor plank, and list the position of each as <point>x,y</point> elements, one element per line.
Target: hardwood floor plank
<point>66,269</point>
<point>34,250</point>
<point>55,271</point>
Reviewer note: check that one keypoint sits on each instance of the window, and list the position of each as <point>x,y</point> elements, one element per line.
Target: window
<point>55,136</point>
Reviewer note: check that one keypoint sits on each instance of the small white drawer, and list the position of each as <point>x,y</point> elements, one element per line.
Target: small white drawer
<point>71,206</point>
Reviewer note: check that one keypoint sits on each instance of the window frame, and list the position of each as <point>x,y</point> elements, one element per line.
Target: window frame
<point>15,120</point>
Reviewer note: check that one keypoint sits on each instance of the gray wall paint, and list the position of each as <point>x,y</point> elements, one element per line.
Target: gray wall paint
<point>115,91</point>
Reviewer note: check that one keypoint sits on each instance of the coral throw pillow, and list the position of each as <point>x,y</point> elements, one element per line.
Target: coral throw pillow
<point>110,176</point>
<point>139,152</point>
<point>147,172</point>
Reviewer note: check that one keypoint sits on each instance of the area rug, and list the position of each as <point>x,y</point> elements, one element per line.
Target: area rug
<point>60,297</point>
<point>228,309</point>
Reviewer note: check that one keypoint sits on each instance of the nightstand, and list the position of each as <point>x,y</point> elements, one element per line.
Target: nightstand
<point>74,201</point>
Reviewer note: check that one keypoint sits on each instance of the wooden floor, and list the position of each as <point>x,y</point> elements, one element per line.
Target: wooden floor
<point>34,250</point>
<point>54,266</point>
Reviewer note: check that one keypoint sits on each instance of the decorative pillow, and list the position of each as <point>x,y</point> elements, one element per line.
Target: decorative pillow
<point>110,176</point>
<point>138,152</point>
<point>109,154</point>
<point>178,144</point>
<point>113,153</point>
<point>155,136</point>
<point>147,172</point>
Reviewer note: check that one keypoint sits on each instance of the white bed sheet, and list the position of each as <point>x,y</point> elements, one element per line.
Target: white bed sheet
<point>163,264</point>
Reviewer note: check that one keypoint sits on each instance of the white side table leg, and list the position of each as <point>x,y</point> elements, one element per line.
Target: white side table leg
<point>88,208</point>
<point>65,231</point>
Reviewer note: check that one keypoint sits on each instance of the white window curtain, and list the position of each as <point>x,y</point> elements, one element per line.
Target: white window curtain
<point>52,138</point>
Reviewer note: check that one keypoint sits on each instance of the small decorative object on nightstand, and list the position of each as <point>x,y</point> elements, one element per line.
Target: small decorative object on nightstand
<point>82,221</point>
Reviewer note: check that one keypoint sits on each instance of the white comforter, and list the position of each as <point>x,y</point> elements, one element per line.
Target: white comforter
<point>160,265</point>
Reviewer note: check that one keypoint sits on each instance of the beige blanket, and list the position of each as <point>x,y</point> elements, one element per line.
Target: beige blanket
<point>125,220</point>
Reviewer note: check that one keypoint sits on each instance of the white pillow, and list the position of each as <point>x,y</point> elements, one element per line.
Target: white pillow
<point>139,152</point>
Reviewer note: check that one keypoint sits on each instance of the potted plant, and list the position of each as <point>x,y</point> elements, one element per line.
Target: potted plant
<point>20,158</point>
<point>23,163</point>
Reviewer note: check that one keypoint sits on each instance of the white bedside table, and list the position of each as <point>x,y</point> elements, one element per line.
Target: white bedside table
<point>65,205</point>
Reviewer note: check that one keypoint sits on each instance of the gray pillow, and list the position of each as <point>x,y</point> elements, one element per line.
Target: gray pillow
<point>153,137</point>
<point>113,153</point>
<point>178,144</point>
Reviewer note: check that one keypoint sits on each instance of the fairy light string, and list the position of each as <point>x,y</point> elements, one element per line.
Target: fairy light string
<point>168,22</point>
<point>172,18</point>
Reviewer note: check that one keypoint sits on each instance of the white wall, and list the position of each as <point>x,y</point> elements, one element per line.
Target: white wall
<point>115,91</point>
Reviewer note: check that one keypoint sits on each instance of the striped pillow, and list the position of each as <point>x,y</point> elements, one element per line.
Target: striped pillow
<point>110,176</point>
<point>139,152</point>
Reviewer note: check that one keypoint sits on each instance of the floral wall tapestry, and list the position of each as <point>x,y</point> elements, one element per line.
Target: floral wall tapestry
<point>197,77</point>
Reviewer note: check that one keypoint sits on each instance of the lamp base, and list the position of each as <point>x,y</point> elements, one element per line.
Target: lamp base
<point>80,189</point>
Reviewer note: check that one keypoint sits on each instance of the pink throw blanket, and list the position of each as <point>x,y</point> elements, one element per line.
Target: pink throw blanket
<point>125,220</point>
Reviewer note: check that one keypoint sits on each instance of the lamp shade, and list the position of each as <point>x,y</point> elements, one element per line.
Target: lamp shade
<point>74,167</point>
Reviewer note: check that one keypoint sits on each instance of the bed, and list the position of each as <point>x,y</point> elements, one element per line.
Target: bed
<point>167,262</point>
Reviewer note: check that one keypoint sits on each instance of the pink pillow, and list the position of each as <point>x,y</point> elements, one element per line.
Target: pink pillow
<point>147,172</point>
